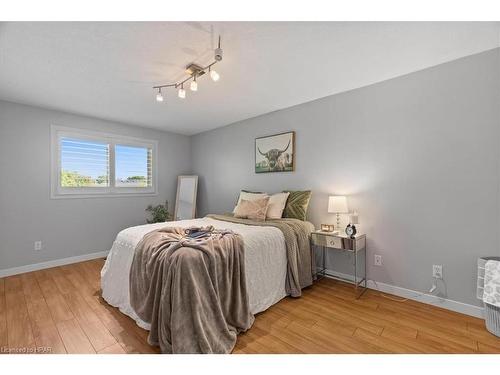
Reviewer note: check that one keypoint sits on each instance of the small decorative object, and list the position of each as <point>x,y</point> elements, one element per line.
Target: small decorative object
<point>350,230</point>
<point>337,204</point>
<point>275,153</point>
<point>327,227</point>
<point>158,213</point>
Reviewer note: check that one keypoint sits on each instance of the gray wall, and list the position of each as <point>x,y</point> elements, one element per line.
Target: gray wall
<point>418,157</point>
<point>67,227</point>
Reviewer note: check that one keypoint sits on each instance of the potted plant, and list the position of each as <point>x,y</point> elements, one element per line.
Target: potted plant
<point>158,213</point>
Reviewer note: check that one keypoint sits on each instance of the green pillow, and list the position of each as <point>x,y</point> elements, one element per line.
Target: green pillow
<point>296,205</point>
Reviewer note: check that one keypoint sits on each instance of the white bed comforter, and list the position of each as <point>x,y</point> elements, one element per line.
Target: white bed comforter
<point>265,263</point>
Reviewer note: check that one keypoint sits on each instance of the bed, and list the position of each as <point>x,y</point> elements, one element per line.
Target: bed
<point>265,261</point>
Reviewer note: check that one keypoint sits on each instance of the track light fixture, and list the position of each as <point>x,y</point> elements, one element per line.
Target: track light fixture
<point>159,96</point>
<point>214,75</point>
<point>194,71</point>
<point>182,92</point>
<point>194,84</point>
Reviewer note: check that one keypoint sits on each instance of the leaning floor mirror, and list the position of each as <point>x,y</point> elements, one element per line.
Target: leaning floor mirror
<point>185,204</point>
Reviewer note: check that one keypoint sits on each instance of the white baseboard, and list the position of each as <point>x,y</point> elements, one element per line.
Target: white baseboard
<point>51,263</point>
<point>429,299</point>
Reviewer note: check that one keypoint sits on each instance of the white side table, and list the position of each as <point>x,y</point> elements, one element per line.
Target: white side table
<point>341,242</point>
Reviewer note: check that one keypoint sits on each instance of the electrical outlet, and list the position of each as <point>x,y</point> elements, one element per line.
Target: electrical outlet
<point>378,260</point>
<point>38,245</point>
<point>437,271</point>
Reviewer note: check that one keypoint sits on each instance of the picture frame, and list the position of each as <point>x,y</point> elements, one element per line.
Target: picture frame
<point>275,153</point>
<point>327,227</point>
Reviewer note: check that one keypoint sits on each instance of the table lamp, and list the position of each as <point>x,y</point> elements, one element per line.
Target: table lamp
<point>337,204</point>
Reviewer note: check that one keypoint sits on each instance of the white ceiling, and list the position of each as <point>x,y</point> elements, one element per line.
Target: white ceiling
<point>106,69</point>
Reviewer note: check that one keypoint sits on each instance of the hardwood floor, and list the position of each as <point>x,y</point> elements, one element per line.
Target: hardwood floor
<point>61,310</point>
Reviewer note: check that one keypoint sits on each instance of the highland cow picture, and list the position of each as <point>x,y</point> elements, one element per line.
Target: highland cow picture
<point>275,153</point>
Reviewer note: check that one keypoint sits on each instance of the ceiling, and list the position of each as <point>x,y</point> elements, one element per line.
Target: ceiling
<point>106,69</point>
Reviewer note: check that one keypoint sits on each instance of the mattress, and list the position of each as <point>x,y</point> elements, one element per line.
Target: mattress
<point>265,263</point>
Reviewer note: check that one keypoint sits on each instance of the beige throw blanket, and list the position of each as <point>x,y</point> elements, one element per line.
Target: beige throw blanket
<point>193,292</point>
<point>297,235</point>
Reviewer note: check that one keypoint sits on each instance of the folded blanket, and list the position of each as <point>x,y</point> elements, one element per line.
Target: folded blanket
<point>191,290</point>
<point>297,235</point>
<point>491,293</point>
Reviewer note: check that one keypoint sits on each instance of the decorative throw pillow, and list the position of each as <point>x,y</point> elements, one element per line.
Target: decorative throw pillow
<point>296,205</point>
<point>253,210</point>
<point>277,204</point>
<point>249,196</point>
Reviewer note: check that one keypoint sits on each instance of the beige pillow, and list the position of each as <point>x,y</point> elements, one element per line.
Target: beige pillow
<point>253,210</point>
<point>249,196</point>
<point>277,203</point>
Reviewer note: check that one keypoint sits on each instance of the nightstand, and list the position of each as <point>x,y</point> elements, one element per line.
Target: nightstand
<point>340,242</point>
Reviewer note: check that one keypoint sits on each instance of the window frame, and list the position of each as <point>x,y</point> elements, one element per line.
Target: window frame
<point>57,191</point>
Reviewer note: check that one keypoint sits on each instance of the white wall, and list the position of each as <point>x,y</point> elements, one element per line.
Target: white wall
<point>67,227</point>
<point>417,155</point>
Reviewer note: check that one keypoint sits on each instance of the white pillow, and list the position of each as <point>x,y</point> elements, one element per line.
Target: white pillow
<point>276,206</point>
<point>249,197</point>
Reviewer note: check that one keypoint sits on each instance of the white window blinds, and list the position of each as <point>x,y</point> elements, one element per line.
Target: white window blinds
<point>86,164</point>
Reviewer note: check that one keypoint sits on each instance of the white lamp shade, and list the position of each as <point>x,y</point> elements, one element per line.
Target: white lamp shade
<point>337,204</point>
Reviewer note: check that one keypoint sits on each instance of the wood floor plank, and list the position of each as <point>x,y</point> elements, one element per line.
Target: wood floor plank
<point>62,283</point>
<point>46,283</point>
<point>75,340</point>
<point>328,322</point>
<point>479,333</point>
<point>97,333</point>
<point>44,329</point>
<point>3,316</point>
<point>88,290</point>
<point>19,331</point>
<point>417,308</point>
<point>337,342</point>
<point>434,328</point>
<point>327,309</point>
<point>132,338</point>
<point>31,288</point>
<point>445,345</point>
<point>62,308</point>
<point>399,332</point>
<point>347,294</point>
<point>485,348</point>
<point>449,330</point>
<point>386,344</point>
<point>256,343</point>
<point>432,317</point>
<point>113,349</point>
<point>278,346</point>
<point>58,307</point>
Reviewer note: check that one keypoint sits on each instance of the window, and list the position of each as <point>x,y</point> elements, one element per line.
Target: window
<point>89,164</point>
<point>133,166</point>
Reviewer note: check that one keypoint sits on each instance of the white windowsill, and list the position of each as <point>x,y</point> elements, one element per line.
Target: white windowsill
<point>107,195</point>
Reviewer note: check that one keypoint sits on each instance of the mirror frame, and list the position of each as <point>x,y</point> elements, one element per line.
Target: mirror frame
<point>179,179</point>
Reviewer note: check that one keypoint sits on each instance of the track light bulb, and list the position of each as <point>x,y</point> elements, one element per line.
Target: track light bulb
<point>214,75</point>
<point>182,93</point>
<point>159,96</point>
<point>194,85</point>
<point>218,52</point>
